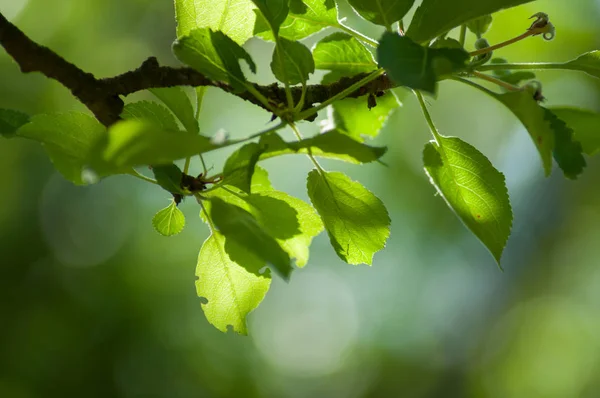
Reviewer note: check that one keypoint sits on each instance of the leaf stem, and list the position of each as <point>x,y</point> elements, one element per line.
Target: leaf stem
<point>139,175</point>
<point>186,166</point>
<point>358,35</point>
<point>491,79</point>
<point>310,155</point>
<point>211,225</point>
<point>504,43</point>
<point>463,34</point>
<point>263,100</point>
<point>204,169</point>
<point>434,131</point>
<point>473,84</point>
<point>342,94</point>
<point>523,66</point>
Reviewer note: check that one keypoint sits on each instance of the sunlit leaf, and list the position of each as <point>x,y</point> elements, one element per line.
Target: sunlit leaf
<point>215,55</point>
<point>10,121</point>
<point>588,63</point>
<point>479,26</point>
<point>411,65</point>
<point>169,221</point>
<point>241,228</point>
<point>179,103</point>
<point>435,17</point>
<point>272,12</point>
<point>292,62</point>
<point>305,18</point>
<point>231,291</point>
<point>567,152</point>
<point>235,18</point>
<point>356,221</point>
<point>382,12</point>
<point>67,138</point>
<point>150,112</point>
<point>343,55</point>
<point>585,124</point>
<point>240,165</point>
<point>472,188</point>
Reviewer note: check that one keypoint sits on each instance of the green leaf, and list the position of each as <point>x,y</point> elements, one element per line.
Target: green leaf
<point>352,116</point>
<point>292,62</point>
<point>585,124</point>
<point>332,145</point>
<point>305,18</point>
<point>179,103</point>
<point>356,220</point>
<point>436,17</point>
<point>169,177</point>
<point>232,291</point>
<point>274,12</point>
<point>515,78</point>
<point>131,143</point>
<point>382,12</point>
<point>215,55</point>
<point>11,121</point>
<point>240,165</point>
<point>411,65</point>
<point>150,112</point>
<point>480,26</point>
<point>235,18</point>
<point>567,152</point>
<point>67,138</point>
<point>533,117</point>
<point>343,55</point>
<point>588,63</point>
<point>169,221</point>
<point>240,227</point>
<point>472,188</point>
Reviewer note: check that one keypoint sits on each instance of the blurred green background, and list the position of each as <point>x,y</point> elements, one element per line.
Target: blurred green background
<point>94,303</point>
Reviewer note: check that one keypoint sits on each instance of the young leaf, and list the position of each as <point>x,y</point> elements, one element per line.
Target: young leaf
<point>343,55</point>
<point>479,26</point>
<point>352,116</point>
<point>472,188</point>
<point>67,138</point>
<point>356,221</point>
<point>169,221</point>
<point>232,291</point>
<point>435,17</point>
<point>179,103</point>
<point>11,121</point>
<point>215,55</point>
<point>273,12</point>
<point>292,62</point>
<point>585,124</point>
<point>567,152</point>
<point>241,228</point>
<point>588,63</point>
<point>131,143</point>
<point>382,12</point>
<point>332,145</point>
<point>169,178</point>
<point>151,112</point>
<point>417,67</point>
<point>533,117</point>
<point>305,18</point>
<point>239,167</point>
<point>235,18</point>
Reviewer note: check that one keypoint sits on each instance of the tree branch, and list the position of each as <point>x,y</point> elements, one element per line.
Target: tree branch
<point>103,96</point>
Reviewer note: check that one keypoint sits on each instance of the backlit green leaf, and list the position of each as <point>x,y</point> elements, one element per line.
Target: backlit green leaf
<point>169,177</point>
<point>241,228</point>
<point>472,188</point>
<point>567,152</point>
<point>273,12</point>
<point>411,65</point>
<point>585,124</point>
<point>305,18</point>
<point>240,165</point>
<point>588,63</point>
<point>169,221</point>
<point>215,55</point>
<point>356,221</point>
<point>235,18</point>
<point>232,291</point>
<point>292,62</point>
<point>332,145</point>
<point>382,12</point>
<point>479,26</point>
<point>67,138</point>
<point>435,17</point>
<point>150,112</point>
<point>10,121</point>
<point>179,103</point>
<point>343,55</point>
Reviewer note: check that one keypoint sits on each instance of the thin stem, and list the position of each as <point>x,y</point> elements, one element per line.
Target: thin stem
<point>199,97</point>
<point>204,169</point>
<point>504,43</point>
<point>342,94</point>
<point>310,155</point>
<point>434,131</point>
<point>261,98</point>
<point>523,66</point>
<point>463,34</point>
<point>358,35</point>
<point>473,84</point>
<point>491,79</point>
<point>139,175</point>
<point>211,225</point>
<point>186,166</point>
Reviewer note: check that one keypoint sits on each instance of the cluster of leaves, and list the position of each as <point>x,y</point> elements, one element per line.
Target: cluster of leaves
<point>256,228</point>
